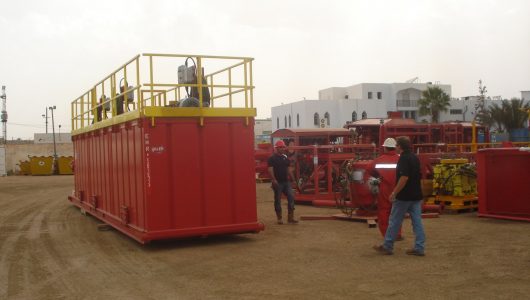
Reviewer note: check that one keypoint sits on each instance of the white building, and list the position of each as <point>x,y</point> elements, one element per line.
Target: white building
<point>525,95</point>
<point>262,130</point>
<point>338,105</point>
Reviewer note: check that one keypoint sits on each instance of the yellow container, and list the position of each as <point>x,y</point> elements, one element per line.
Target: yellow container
<point>454,161</point>
<point>65,165</point>
<point>41,165</point>
<point>25,167</point>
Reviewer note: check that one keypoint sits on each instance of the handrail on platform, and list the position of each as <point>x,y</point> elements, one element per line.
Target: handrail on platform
<point>122,91</point>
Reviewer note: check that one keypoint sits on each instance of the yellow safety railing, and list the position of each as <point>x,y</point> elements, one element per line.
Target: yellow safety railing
<point>122,95</point>
<point>462,147</point>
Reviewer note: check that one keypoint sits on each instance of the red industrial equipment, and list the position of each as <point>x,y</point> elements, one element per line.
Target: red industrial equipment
<point>162,167</point>
<point>317,156</point>
<point>426,137</point>
<point>261,156</point>
<point>503,189</point>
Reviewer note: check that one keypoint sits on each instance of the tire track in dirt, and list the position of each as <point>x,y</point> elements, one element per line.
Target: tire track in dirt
<point>12,252</point>
<point>21,257</point>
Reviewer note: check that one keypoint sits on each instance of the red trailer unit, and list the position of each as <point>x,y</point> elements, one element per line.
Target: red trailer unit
<point>503,189</point>
<point>160,167</point>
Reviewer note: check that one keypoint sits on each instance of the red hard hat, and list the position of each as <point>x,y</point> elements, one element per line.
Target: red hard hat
<point>279,144</point>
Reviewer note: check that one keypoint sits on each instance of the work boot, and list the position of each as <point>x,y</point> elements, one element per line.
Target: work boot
<point>415,252</point>
<point>279,217</point>
<point>291,219</point>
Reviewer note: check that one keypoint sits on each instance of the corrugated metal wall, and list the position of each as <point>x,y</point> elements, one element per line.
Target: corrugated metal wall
<point>176,175</point>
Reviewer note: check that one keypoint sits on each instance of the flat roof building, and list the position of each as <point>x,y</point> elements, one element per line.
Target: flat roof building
<point>336,106</point>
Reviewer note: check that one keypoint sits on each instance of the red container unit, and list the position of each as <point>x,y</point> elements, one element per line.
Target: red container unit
<point>503,189</point>
<point>163,171</point>
<point>261,155</point>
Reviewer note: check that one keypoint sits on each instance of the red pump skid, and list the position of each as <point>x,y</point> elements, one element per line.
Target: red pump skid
<point>317,155</point>
<point>174,179</point>
<point>326,160</point>
<point>503,189</point>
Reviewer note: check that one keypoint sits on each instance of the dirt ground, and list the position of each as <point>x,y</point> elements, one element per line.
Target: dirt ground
<point>48,250</point>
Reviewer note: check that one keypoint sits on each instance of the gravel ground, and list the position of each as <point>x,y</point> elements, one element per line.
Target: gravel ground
<point>48,250</point>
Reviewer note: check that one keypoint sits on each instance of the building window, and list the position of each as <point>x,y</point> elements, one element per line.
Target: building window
<point>277,123</point>
<point>297,120</point>
<point>326,116</point>
<point>316,119</point>
<point>354,116</point>
<point>345,96</point>
<point>285,122</point>
<point>364,115</point>
<point>369,95</point>
<point>455,111</point>
<point>379,95</point>
<point>289,121</point>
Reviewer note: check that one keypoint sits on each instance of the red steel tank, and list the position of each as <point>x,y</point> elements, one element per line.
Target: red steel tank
<point>503,189</point>
<point>159,161</point>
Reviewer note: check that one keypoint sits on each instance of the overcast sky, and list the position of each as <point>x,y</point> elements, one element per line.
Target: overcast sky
<point>53,51</point>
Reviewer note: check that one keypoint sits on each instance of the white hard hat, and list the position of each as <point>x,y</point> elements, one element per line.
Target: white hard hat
<point>390,143</point>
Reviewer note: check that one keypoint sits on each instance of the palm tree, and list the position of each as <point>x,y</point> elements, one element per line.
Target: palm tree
<point>433,101</point>
<point>510,114</point>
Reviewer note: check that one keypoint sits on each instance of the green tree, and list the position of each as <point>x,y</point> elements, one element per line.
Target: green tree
<point>433,101</point>
<point>508,115</point>
<point>480,106</point>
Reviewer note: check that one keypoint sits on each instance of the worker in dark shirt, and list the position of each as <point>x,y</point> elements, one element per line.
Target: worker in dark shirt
<point>280,170</point>
<point>406,198</point>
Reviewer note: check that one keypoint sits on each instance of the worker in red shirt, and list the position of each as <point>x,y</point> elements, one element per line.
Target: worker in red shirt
<point>384,169</point>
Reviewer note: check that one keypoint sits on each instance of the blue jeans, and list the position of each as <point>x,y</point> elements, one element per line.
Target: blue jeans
<point>285,188</point>
<point>399,209</point>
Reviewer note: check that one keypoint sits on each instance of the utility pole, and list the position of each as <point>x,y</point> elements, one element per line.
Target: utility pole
<point>52,108</point>
<point>4,113</point>
<point>3,118</point>
<point>46,119</point>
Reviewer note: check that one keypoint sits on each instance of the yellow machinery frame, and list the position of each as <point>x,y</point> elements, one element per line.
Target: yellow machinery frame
<point>153,98</point>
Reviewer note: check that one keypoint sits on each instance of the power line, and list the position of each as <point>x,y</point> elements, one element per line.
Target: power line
<point>34,125</point>
<point>27,125</point>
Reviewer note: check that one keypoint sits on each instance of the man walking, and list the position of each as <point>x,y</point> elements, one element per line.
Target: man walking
<point>406,197</point>
<point>280,170</point>
<point>384,169</point>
